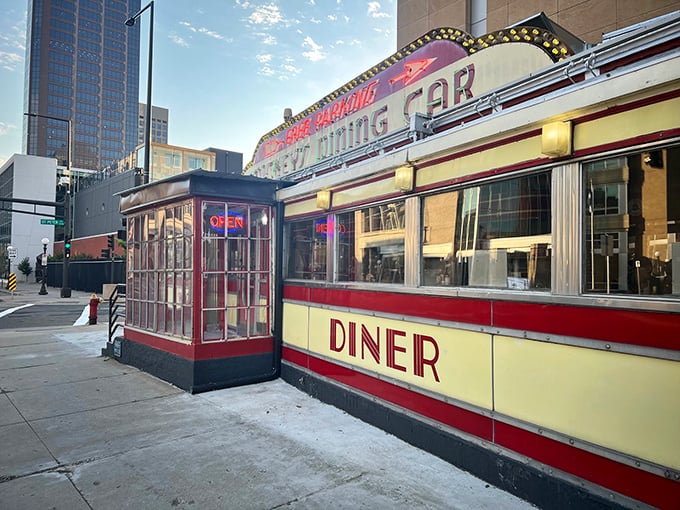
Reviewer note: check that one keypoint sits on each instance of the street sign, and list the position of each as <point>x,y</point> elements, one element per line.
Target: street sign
<point>12,252</point>
<point>49,221</point>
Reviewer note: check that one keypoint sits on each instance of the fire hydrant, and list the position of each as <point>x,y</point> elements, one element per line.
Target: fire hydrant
<point>94,304</point>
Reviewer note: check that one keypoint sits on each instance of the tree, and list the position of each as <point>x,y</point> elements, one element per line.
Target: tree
<point>25,267</point>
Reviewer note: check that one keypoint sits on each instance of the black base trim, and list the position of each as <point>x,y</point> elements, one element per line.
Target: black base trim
<point>508,474</point>
<point>193,376</point>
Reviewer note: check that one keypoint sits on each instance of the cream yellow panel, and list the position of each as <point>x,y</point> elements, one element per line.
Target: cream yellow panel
<point>505,155</point>
<point>367,191</point>
<point>295,325</point>
<point>648,119</point>
<point>302,207</point>
<point>627,403</point>
<point>450,362</point>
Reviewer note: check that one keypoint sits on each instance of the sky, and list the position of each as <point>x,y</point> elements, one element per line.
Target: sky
<point>226,69</point>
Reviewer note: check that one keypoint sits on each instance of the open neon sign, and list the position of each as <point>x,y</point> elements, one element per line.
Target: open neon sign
<point>232,223</point>
<point>324,228</point>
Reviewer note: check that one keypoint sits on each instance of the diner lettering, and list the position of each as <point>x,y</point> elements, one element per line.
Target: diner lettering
<point>393,351</point>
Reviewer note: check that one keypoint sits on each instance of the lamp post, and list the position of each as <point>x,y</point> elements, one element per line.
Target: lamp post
<point>147,124</point>
<point>43,263</point>
<point>65,289</point>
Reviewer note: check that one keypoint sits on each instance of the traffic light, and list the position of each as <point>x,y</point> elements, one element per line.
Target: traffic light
<point>111,242</point>
<point>106,253</point>
<point>67,248</point>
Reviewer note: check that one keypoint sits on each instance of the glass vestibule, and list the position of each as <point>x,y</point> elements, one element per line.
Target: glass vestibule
<point>236,271</point>
<point>160,270</point>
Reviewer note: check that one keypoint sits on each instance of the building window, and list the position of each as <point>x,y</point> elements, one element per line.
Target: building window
<point>494,235</point>
<point>160,271</point>
<point>236,264</point>
<point>370,244</point>
<point>632,224</point>
<point>307,241</point>
<point>195,163</point>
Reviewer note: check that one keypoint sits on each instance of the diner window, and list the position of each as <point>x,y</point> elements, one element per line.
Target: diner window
<point>160,269</point>
<point>493,235</point>
<point>307,241</point>
<point>371,244</point>
<point>632,224</point>
<point>236,271</point>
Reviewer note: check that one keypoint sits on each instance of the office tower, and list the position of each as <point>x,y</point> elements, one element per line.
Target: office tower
<point>82,65</point>
<point>159,124</point>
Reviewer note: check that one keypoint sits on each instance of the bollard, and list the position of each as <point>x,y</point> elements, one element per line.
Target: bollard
<point>94,304</point>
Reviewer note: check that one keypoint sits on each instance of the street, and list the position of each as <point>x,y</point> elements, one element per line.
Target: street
<point>57,314</point>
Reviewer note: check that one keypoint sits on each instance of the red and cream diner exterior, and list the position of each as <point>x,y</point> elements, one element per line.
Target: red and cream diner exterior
<point>481,255</point>
<point>474,245</point>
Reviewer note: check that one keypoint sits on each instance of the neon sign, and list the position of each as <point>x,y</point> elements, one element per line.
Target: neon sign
<point>233,223</point>
<point>322,227</point>
<point>438,71</point>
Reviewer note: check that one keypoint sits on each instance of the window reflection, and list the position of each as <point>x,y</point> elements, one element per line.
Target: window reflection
<point>160,270</point>
<point>494,235</point>
<point>632,222</point>
<point>307,249</point>
<point>371,244</point>
<point>235,268</point>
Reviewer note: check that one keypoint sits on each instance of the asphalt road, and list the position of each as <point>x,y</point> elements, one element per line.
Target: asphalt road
<point>40,315</point>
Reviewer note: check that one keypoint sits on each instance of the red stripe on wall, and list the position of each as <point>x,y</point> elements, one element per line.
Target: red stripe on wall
<point>641,485</point>
<point>196,352</point>
<point>294,356</point>
<point>182,349</point>
<point>472,311</point>
<point>234,348</point>
<point>650,329</point>
<point>448,414</point>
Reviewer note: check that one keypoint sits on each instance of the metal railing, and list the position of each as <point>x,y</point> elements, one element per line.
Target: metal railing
<point>116,309</point>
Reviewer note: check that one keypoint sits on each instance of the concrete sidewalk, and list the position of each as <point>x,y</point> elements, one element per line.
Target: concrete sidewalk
<point>79,431</point>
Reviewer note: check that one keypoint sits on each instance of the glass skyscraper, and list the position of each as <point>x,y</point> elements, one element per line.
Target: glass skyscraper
<point>82,65</point>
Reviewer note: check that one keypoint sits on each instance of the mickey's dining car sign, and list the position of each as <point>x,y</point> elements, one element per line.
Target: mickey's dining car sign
<point>438,71</point>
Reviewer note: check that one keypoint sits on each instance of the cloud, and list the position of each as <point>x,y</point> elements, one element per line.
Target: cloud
<point>263,58</point>
<point>266,71</point>
<point>10,61</point>
<point>332,17</point>
<point>315,54</point>
<point>179,41</point>
<point>291,69</point>
<point>210,33</point>
<point>374,11</point>
<point>188,25</point>
<point>269,40</point>
<point>205,31</point>
<point>268,14</point>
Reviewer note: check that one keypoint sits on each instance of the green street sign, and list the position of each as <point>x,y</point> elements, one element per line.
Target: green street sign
<point>51,222</point>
